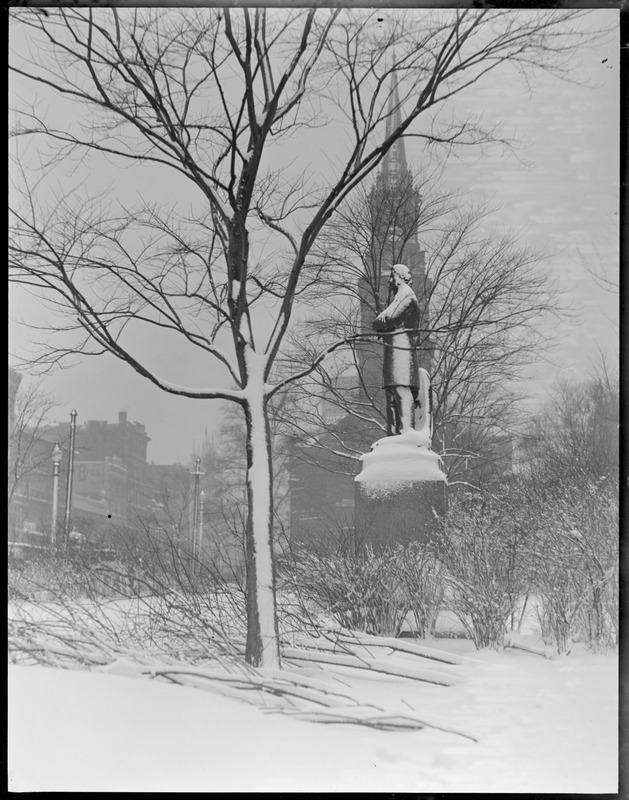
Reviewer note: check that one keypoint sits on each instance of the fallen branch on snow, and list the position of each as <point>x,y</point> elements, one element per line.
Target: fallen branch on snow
<point>70,643</point>
<point>380,665</point>
<point>291,687</point>
<point>513,641</point>
<point>342,638</point>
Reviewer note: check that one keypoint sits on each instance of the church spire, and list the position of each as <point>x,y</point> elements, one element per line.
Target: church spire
<point>394,162</point>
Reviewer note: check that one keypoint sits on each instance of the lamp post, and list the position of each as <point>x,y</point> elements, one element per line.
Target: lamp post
<point>195,508</point>
<point>200,523</point>
<point>66,526</point>
<point>56,464</point>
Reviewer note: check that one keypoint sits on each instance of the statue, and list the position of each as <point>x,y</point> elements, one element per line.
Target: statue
<point>401,486</point>
<point>399,324</point>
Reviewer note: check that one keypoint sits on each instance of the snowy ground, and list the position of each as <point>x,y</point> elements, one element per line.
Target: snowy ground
<point>542,726</point>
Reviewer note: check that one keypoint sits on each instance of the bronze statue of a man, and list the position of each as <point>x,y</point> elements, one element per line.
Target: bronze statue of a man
<point>399,323</point>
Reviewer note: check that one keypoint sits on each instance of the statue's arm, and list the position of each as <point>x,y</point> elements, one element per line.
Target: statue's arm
<point>395,314</point>
<point>381,323</point>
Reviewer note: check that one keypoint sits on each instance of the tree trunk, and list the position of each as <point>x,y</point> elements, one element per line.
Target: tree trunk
<point>262,632</point>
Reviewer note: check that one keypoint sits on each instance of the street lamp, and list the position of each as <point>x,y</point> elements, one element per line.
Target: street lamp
<point>201,501</point>
<point>56,464</point>
<point>195,509</point>
<point>66,527</point>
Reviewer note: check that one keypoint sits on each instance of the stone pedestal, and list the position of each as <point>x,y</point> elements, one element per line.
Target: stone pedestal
<point>400,489</point>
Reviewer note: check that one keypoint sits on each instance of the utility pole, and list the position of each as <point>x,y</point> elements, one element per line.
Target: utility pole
<point>66,526</point>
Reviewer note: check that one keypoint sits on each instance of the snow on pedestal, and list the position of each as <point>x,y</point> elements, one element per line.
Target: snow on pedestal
<point>398,460</point>
<point>400,490</point>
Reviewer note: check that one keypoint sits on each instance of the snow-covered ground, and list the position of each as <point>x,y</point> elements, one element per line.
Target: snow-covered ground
<point>542,726</point>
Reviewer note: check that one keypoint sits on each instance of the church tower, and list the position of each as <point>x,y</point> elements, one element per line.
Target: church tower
<point>394,211</point>
<point>322,486</point>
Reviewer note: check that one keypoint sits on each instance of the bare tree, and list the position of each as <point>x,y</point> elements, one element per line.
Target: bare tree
<point>28,422</point>
<point>603,272</point>
<point>484,299</point>
<point>209,99</point>
<point>575,435</point>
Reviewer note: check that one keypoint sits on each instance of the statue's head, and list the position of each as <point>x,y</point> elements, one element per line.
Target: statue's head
<point>400,273</point>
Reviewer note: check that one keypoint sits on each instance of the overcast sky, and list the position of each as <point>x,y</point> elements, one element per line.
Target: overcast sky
<point>560,189</point>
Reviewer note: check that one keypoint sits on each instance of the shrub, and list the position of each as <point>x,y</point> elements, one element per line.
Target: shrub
<point>359,591</point>
<point>484,554</point>
<point>576,565</point>
<point>422,584</point>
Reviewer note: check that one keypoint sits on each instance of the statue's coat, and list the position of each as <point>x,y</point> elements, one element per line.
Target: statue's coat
<point>399,323</point>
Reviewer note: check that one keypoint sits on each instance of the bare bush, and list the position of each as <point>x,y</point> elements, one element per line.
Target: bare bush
<point>360,591</point>
<point>577,560</point>
<point>423,586</point>
<point>160,622</point>
<point>483,551</point>
<point>149,599</point>
<point>365,590</point>
<point>44,579</point>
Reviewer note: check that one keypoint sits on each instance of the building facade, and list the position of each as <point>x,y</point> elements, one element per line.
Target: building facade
<point>111,480</point>
<point>119,447</point>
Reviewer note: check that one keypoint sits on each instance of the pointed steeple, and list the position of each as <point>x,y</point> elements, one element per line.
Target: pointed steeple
<point>394,162</point>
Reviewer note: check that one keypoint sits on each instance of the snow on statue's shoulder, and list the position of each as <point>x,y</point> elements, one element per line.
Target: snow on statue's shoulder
<point>396,461</point>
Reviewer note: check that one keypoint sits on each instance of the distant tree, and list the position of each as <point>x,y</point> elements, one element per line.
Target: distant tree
<point>173,499</point>
<point>209,100</point>
<point>604,273</point>
<point>28,449</point>
<point>575,435</point>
